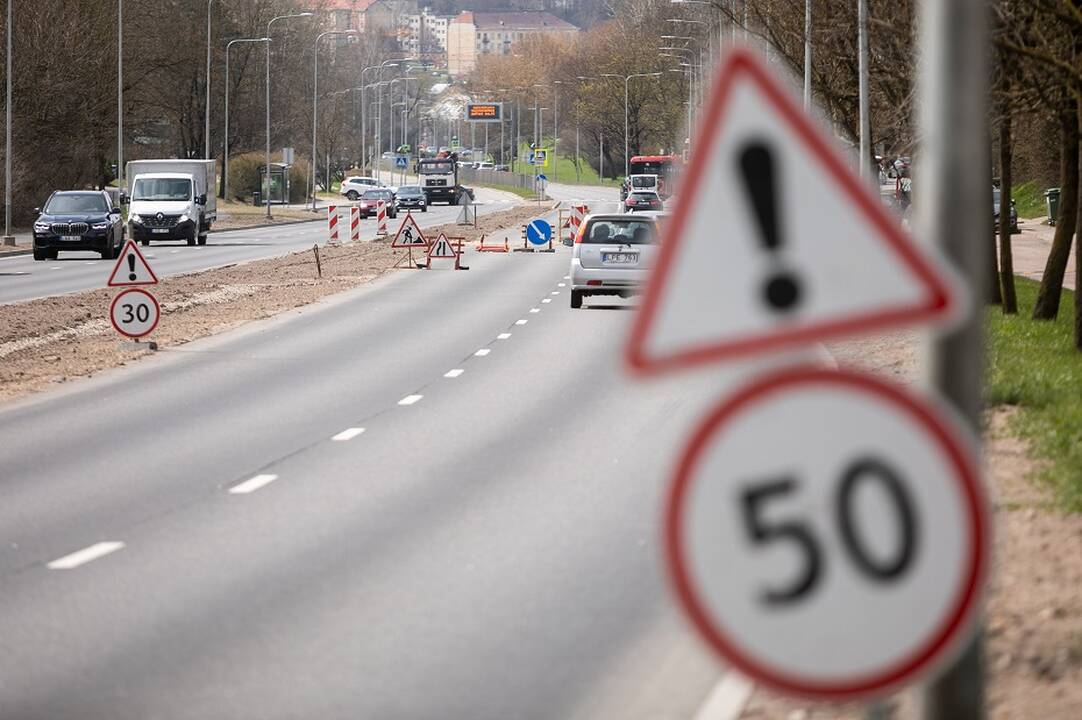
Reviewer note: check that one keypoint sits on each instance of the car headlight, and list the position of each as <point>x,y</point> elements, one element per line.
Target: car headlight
<point>100,225</point>
<point>41,227</point>
<point>135,218</point>
<point>183,218</point>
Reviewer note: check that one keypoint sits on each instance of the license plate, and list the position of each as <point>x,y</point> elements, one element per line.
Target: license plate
<point>163,231</point>
<point>71,238</point>
<point>623,258</point>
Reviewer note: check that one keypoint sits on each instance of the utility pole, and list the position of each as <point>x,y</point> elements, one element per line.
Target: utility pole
<point>9,239</point>
<point>807,52</point>
<point>955,214</point>
<point>865,117</point>
<point>119,93</point>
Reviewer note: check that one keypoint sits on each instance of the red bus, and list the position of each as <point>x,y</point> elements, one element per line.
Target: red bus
<point>664,166</point>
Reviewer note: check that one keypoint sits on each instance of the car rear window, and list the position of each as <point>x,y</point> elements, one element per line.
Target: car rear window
<point>643,182</point>
<point>644,196</point>
<point>377,194</point>
<point>620,232</point>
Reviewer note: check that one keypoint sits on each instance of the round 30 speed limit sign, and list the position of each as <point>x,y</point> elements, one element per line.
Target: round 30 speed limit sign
<point>134,313</point>
<point>828,534</point>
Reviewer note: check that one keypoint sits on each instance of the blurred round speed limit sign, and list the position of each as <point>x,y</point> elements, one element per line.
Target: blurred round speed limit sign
<point>134,313</point>
<point>828,534</point>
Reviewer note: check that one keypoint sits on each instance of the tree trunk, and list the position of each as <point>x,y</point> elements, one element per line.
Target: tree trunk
<point>1078,292</point>
<point>1048,297</point>
<point>1006,260</point>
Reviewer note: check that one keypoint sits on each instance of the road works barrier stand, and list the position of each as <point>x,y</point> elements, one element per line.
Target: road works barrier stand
<point>381,218</point>
<point>536,237</point>
<point>332,224</point>
<point>482,247</point>
<point>812,498</point>
<point>354,223</point>
<point>409,237</point>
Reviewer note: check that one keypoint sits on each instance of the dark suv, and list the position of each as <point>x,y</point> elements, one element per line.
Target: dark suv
<point>78,220</point>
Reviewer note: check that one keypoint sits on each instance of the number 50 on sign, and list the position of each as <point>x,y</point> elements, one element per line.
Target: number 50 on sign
<point>827,534</point>
<point>134,313</point>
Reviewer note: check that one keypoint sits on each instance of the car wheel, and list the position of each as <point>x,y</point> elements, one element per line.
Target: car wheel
<point>191,240</point>
<point>52,254</point>
<point>202,240</point>
<point>576,299</point>
<point>39,254</point>
<point>144,243</point>
<point>352,195</point>
<point>424,208</point>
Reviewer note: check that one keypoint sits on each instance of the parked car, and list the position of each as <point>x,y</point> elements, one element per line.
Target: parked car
<point>371,198</point>
<point>78,220</point>
<point>354,187</point>
<point>411,196</point>
<point>485,165</point>
<point>502,168</point>
<point>638,201</point>
<point>612,255</point>
<point>995,212</point>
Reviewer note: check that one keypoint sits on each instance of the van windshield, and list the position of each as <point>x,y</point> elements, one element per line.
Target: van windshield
<point>162,189</point>
<point>620,232</point>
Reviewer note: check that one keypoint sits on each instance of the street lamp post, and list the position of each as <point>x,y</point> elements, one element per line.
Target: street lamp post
<point>225,162</point>
<point>364,122</point>
<point>8,238</point>
<point>119,90</point>
<point>578,123</point>
<point>206,128</point>
<point>266,200</point>
<point>627,81</point>
<point>315,106</point>
<point>379,110</point>
<point>865,116</point>
<point>807,52</point>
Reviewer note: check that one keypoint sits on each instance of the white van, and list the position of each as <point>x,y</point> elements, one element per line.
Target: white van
<point>644,183</point>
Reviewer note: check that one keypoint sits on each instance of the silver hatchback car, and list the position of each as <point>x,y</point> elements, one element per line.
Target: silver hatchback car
<point>612,254</point>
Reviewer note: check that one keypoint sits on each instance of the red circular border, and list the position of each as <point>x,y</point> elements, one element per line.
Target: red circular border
<point>966,601</point>
<point>153,299</point>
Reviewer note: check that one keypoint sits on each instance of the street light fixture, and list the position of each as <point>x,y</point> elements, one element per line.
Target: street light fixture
<point>266,200</point>
<point>225,162</point>
<point>364,122</point>
<point>315,106</point>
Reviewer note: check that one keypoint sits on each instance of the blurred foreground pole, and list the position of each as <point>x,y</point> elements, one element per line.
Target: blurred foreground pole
<point>954,212</point>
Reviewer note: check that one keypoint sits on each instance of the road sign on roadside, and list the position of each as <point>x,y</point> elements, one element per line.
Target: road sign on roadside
<point>442,248</point>
<point>774,242</point>
<point>131,268</point>
<point>134,313</point>
<point>538,232</point>
<point>409,234</point>
<point>401,161</point>
<point>828,535</point>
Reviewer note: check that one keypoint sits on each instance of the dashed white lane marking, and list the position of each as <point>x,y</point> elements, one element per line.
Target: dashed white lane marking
<point>87,554</point>
<point>347,434</point>
<point>554,292</point>
<point>523,321</point>
<point>503,336</point>
<point>567,277</point>
<point>253,484</point>
<point>56,267</point>
<point>728,698</point>
<point>561,284</point>
<point>482,352</point>
<point>90,262</point>
<point>453,373</point>
<point>547,300</point>
<point>410,399</point>
<point>173,252</point>
<point>535,310</point>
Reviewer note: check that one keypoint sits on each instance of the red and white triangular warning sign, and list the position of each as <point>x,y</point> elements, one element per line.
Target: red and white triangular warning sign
<point>442,248</point>
<point>409,234</point>
<point>774,242</point>
<point>132,268</point>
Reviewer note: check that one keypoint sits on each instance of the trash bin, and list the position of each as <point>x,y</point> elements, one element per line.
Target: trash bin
<point>1051,200</point>
<point>257,199</point>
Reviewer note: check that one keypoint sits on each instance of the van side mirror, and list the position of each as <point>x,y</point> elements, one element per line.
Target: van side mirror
<point>201,200</point>
<point>124,199</point>
<point>116,211</point>
<point>37,210</point>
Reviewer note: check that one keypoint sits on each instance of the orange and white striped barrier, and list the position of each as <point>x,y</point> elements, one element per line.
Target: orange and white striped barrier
<point>332,223</point>
<point>578,212</point>
<point>482,247</point>
<point>354,223</point>
<point>381,217</point>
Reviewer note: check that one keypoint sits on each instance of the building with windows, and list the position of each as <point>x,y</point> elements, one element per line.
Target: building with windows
<point>424,35</point>
<point>473,34</point>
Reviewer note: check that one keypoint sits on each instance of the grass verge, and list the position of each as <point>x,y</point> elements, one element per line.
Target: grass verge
<point>1029,200</point>
<point>1034,366</point>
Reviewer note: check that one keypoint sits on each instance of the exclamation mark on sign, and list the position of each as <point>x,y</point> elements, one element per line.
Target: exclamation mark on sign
<point>781,290</point>
<point>131,266</point>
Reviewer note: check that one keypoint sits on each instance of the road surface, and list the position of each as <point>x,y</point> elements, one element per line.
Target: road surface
<point>435,496</point>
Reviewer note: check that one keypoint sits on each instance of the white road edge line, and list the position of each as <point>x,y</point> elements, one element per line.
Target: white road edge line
<point>410,399</point>
<point>348,434</point>
<point>87,554</point>
<point>503,336</point>
<point>728,698</point>
<point>482,352</point>
<point>522,321</point>
<point>453,373</point>
<point>253,484</point>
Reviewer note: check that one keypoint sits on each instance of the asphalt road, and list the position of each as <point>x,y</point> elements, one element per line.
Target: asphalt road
<point>435,496</point>
<point>21,278</point>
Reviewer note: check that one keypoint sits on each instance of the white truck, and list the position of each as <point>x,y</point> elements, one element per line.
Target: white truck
<point>171,200</point>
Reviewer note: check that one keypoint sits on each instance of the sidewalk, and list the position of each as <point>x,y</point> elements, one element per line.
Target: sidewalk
<point>1030,251</point>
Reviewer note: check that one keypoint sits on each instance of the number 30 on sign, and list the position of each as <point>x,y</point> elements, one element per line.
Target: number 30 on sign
<point>828,535</point>
<point>134,313</point>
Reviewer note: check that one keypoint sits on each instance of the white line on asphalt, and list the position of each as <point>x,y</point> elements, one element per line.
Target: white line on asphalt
<point>727,700</point>
<point>90,262</point>
<point>453,373</point>
<point>561,284</point>
<point>87,554</point>
<point>253,484</point>
<point>522,321</point>
<point>482,352</point>
<point>535,310</point>
<point>554,292</point>
<point>55,267</point>
<point>173,252</point>
<point>347,434</point>
<point>503,336</point>
<point>410,399</point>
<point>567,277</point>
<point>547,300</point>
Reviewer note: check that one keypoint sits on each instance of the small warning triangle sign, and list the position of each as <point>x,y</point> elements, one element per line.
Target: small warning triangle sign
<point>409,234</point>
<point>442,248</point>
<point>132,268</point>
<point>774,242</point>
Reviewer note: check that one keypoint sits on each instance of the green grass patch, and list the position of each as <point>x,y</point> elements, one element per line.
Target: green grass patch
<point>522,192</point>
<point>1029,200</point>
<point>561,168</point>
<point>1034,365</point>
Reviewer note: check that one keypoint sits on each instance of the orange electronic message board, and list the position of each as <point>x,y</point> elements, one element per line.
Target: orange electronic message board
<point>484,112</point>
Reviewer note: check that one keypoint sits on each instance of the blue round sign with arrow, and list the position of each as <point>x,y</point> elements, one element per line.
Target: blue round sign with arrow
<point>539,232</point>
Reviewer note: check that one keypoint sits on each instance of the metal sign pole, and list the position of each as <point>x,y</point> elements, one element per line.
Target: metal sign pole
<point>954,212</point>
<point>865,114</point>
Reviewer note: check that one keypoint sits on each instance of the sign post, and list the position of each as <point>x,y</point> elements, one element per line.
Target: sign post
<point>134,312</point>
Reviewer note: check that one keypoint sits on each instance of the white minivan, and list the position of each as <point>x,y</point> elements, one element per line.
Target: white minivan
<point>644,183</point>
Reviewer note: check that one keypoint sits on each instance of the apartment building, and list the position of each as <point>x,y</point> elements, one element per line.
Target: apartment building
<point>473,34</point>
